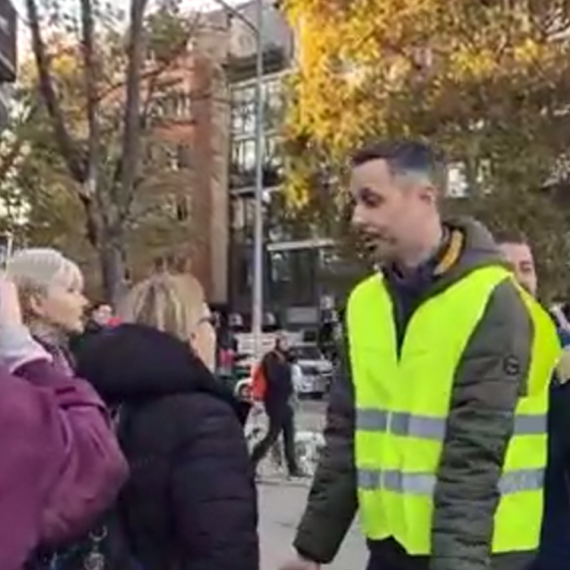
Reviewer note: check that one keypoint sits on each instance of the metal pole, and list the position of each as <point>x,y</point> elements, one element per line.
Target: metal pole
<point>257,297</point>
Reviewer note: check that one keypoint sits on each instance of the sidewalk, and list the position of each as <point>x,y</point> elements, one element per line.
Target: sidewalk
<point>281,504</point>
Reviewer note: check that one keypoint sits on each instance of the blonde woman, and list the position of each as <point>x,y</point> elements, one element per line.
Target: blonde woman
<point>191,500</point>
<point>61,463</point>
<point>51,292</point>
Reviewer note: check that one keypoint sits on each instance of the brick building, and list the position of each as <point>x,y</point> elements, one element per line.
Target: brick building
<point>180,212</point>
<point>188,144</point>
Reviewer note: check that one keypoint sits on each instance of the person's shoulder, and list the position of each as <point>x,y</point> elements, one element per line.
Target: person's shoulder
<point>192,410</point>
<point>507,305</point>
<point>506,324</point>
<point>179,419</point>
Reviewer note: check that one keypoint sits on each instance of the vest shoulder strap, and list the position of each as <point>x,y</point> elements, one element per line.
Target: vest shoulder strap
<point>369,287</point>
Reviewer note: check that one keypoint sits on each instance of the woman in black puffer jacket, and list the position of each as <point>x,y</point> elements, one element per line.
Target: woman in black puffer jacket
<point>190,503</point>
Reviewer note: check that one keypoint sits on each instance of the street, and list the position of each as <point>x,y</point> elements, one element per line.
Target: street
<point>311,415</point>
<point>282,503</point>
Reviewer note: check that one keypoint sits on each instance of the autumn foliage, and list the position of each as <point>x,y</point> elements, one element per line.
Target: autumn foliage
<point>487,81</point>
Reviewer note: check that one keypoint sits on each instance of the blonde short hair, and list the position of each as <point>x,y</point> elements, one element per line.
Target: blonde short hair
<point>170,303</point>
<point>35,270</point>
<point>38,269</point>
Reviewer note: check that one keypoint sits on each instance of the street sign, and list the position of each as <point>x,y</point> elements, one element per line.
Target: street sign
<point>8,41</point>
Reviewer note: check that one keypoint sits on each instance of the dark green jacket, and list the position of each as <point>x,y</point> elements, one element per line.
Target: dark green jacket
<point>488,383</point>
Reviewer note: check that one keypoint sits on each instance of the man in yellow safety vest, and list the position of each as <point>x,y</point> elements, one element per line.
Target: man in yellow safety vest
<point>436,430</point>
<point>554,551</point>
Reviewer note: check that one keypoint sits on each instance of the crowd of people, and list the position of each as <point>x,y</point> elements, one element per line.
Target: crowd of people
<point>447,424</point>
<point>141,462</point>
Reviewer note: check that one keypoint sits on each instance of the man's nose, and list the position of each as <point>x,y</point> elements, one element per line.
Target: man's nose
<point>357,218</point>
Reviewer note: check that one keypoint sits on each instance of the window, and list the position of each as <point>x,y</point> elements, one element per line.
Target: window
<point>273,97</point>
<point>183,106</point>
<point>273,163</point>
<point>170,153</point>
<point>151,153</point>
<point>184,156</point>
<point>244,107</point>
<point>182,208</point>
<point>242,169</point>
<point>243,110</point>
<point>243,215</point>
<point>280,266</point>
<point>174,106</point>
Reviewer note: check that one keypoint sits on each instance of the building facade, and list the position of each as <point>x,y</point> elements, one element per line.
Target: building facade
<point>190,134</point>
<point>179,216</point>
<point>301,270</point>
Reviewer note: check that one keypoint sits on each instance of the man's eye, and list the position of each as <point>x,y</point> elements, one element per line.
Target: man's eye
<point>369,198</point>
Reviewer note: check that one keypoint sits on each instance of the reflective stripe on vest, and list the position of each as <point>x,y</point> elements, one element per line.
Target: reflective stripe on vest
<point>402,401</point>
<point>424,483</point>
<point>424,427</point>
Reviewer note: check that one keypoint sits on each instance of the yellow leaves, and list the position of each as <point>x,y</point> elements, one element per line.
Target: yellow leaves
<point>463,62</point>
<point>65,65</point>
<point>355,52</point>
<point>428,68</point>
<point>528,51</point>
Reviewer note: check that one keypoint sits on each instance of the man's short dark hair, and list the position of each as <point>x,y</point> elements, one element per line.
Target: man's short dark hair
<point>511,235</point>
<point>406,157</point>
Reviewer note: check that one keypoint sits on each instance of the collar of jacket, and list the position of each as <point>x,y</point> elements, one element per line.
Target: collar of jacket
<point>449,252</point>
<point>446,255</point>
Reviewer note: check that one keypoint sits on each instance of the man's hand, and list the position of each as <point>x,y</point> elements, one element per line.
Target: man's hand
<point>300,563</point>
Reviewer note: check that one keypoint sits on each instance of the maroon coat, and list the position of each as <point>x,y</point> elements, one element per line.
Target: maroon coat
<point>61,465</point>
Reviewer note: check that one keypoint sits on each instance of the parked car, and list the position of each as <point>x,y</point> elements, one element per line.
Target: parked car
<point>242,377</point>
<point>312,372</point>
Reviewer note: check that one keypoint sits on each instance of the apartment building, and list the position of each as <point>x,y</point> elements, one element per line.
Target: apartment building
<point>179,217</point>
<point>301,269</point>
<point>189,202</point>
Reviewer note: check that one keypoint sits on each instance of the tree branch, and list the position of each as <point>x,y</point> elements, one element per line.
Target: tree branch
<point>70,153</point>
<point>90,65</point>
<point>152,79</point>
<point>132,126</point>
<point>92,222</point>
<point>177,51</point>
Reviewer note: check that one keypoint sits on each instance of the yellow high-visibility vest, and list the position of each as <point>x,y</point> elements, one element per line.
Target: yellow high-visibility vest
<point>402,401</point>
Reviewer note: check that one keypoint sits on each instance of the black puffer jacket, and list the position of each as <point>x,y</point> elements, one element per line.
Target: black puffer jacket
<point>191,501</point>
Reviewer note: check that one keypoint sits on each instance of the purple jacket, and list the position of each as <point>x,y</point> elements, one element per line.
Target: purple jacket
<point>61,465</point>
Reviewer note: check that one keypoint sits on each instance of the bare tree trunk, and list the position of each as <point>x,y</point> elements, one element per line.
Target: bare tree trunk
<point>112,264</point>
<point>91,93</point>
<point>126,174</point>
<point>128,165</point>
<point>107,198</point>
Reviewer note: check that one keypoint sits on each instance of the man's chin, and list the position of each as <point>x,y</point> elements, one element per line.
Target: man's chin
<point>381,253</point>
